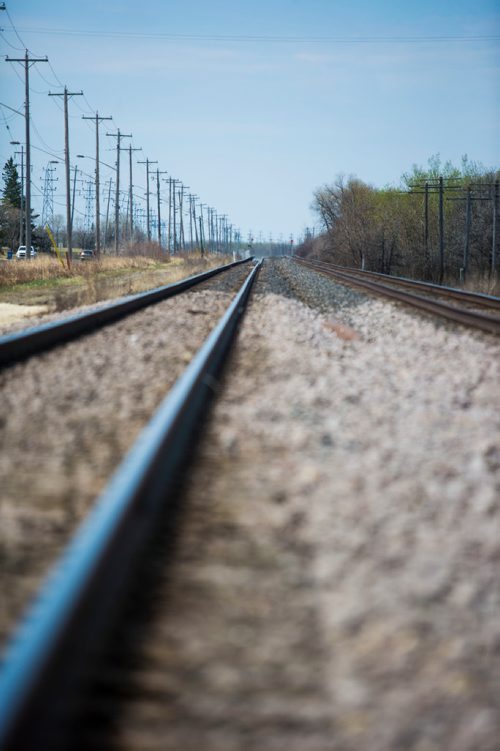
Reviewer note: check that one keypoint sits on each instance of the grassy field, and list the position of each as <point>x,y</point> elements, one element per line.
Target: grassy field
<point>45,268</point>
<point>45,281</point>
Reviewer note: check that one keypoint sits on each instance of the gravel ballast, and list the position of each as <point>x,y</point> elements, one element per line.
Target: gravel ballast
<point>334,583</point>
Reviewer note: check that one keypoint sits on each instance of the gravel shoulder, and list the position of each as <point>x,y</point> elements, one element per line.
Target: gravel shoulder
<point>335,578</point>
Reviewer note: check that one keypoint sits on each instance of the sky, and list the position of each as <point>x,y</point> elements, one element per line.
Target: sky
<point>255,105</point>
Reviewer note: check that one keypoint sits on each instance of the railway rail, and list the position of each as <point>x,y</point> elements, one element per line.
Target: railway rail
<point>46,661</point>
<point>396,288</point>
<point>20,345</point>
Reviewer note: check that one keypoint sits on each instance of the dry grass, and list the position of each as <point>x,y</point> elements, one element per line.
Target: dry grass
<point>44,269</point>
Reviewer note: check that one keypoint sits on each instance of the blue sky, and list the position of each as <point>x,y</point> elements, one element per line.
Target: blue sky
<point>254,105</point>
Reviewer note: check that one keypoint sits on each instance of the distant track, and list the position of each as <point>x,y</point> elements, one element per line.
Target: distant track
<point>45,665</point>
<point>395,288</point>
<point>32,341</point>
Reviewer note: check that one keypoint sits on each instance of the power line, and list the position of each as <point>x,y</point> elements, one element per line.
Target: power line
<point>438,38</point>
<point>12,24</point>
<point>13,46</point>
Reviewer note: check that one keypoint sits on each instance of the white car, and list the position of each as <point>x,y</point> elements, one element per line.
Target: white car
<point>21,252</point>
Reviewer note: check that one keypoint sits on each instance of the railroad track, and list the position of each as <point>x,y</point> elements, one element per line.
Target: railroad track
<point>47,659</point>
<point>20,345</point>
<point>464,312</point>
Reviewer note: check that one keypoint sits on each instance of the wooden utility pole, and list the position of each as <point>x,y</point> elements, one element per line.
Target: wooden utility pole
<point>193,209</point>
<point>118,135</point>
<point>202,249</point>
<point>426,226</point>
<point>169,236</point>
<point>147,162</point>
<point>131,191</point>
<point>174,183</point>
<point>21,215</point>
<point>27,61</point>
<point>107,211</point>
<point>158,173</point>
<point>468,215</point>
<point>441,230</point>
<point>69,219</point>
<point>191,235</point>
<point>181,220</point>
<point>97,119</point>
<point>495,220</point>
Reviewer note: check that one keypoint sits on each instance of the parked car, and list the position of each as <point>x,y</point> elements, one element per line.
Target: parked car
<point>87,255</point>
<point>21,252</point>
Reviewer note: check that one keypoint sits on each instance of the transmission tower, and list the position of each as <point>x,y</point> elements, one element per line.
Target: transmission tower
<point>89,206</point>
<point>48,193</point>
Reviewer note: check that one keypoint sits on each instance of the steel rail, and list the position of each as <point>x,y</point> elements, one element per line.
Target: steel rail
<point>490,324</point>
<point>44,666</point>
<point>20,345</point>
<point>475,298</point>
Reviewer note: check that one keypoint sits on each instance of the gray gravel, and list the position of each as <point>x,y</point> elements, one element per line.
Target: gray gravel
<point>335,582</point>
<point>335,579</point>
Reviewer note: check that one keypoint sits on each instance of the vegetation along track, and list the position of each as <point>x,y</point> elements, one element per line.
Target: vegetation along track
<point>396,288</point>
<point>332,573</point>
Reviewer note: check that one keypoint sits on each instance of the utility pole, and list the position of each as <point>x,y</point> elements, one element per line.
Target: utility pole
<point>191,202</point>
<point>107,212</point>
<point>158,173</point>
<point>169,232</point>
<point>27,62</point>
<point>69,219</point>
<point>147,162</point>
<point>181,221</point>
<point>118,135</point>
<point>201,220</point>
<point>131,190</point>
<point>73,195</point>
<point>174,182</point>
<point>426,227</point>
<point>210,229</point>
<point>97,119</point>
<point>21,216</point>
<point>468,214</point>
<point>441,230</point>
<point>193,209</point>
<point>495,220</point>
<point>202,249</point>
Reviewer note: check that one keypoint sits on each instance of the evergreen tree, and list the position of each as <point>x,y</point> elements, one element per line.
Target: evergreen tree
<point>11,194</point>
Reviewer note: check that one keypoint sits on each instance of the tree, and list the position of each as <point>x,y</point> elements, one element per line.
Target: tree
<point>397,230</point>
<point>11,193</point>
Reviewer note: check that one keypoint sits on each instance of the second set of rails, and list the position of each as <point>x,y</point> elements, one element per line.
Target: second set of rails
<point>43,671</point>
<point>468,308</point>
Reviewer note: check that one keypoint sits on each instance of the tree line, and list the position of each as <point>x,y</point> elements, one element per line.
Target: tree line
<point>440,225</point>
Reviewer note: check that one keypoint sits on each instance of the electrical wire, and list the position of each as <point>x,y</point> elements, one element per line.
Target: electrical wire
<point>438,38</point>
<point>18,49</point>
<point>47,146</point>
<point>15,30</point>
<point>55,74</point>
<point>49,83</point>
